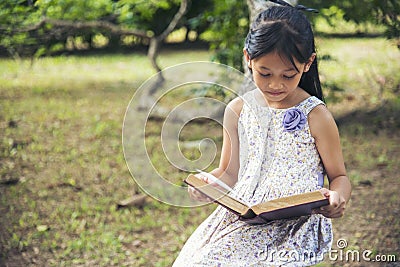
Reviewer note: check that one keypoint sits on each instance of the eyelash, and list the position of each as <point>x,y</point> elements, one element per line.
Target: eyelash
<point>285,77</point>
<point>289,77</point>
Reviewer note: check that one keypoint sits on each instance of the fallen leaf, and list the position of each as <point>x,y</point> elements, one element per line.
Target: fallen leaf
<point>42,228</point>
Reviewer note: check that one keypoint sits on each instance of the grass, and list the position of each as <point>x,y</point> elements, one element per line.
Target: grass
<point>62,168</point>
<point>65,149</point>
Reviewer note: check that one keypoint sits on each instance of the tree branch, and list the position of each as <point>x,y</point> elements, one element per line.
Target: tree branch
<point>174,22</point>
<point>155,42</point>
<point>80,25</point>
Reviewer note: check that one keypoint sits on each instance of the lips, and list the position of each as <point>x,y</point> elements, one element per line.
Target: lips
<point>274,93</point>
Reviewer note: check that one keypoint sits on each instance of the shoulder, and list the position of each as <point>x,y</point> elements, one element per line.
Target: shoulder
<point>321,114</point>
<point>232,111</point>
<point>234,107</point>
<point>309,103</point>
<point>321,122</point>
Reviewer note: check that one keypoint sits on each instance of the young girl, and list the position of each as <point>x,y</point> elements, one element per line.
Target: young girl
<point>279,140</point>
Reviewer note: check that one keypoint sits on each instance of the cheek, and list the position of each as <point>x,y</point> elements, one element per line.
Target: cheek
<point>260,82</point>
<point>293,83</point>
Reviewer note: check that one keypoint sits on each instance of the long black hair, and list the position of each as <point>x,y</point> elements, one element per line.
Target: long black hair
<point>288,32</point>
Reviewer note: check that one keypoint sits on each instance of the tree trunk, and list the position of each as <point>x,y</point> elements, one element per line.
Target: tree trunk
<point>256,6</point>
<point>153,51</point>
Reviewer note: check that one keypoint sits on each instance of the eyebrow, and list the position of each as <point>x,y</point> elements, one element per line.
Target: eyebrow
<point>291,69</point>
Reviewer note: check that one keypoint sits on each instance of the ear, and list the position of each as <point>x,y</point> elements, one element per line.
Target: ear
<point>309,62</point>
<point>247,58</point>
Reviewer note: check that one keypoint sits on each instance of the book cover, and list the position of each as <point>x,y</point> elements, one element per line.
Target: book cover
<point>276,209</point>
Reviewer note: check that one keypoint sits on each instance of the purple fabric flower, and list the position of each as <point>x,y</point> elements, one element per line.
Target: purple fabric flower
<point>294,119</point>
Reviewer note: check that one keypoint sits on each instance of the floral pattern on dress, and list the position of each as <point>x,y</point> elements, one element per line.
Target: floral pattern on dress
<point>273,163</point>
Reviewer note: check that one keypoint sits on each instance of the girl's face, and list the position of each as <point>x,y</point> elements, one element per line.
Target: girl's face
<point>278,79</point>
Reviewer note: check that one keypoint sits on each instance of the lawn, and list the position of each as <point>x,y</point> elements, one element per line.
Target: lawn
<point>63,171</point>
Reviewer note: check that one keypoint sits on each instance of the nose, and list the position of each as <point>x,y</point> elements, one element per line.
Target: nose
<point>275,84</point>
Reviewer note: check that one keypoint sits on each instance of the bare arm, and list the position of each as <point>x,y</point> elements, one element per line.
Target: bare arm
<point>326,135</point>
<point>228,168</point>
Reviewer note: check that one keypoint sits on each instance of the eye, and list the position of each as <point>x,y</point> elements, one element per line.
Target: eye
<point>289,77</point>
<point>264,75</point>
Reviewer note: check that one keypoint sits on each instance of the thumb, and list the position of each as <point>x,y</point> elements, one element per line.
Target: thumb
<point>325,192</point>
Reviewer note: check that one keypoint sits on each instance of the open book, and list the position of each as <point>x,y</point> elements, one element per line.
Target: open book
<point>281,208</point>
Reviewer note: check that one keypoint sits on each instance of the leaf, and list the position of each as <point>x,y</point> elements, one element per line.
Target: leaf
<point>42,228</point>
<point>72,182</point>
<point>135,200</point>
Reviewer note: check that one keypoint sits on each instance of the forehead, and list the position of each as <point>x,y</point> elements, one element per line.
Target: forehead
<point>276,61</point>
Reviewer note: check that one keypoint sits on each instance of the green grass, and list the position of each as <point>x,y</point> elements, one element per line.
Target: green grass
<point>60,138</point>
<point>65,149</point>
<point>361,69</point>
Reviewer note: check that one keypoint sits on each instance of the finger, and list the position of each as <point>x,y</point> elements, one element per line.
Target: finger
<point>328,210</point>
<point>314,211</point>
<point>336,207</point>
<point>336,213</point>
<point>325,210</point>
<point>339,211</point>
<point>325,192</point>
<point>334,198</point>
<point>202,177</point>
<point>196,195</point>
<point>193,193</point>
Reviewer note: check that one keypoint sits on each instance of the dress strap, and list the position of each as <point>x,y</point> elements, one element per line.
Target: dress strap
<point>249,99</point>
<point>310,103</point>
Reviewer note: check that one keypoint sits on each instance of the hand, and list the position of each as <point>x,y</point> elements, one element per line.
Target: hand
<point>196,195</point>
<point>336,207</point>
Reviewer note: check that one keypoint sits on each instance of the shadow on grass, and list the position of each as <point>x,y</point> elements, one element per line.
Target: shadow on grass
<point>363,121</point>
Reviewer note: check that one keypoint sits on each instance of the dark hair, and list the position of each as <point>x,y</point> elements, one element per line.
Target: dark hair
<point>287,31</point>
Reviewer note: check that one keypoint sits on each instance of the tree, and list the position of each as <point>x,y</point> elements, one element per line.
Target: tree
<point>385,12</point>
<point>47,25</point>
<point>155,43</point>
<point>13,16</point>
<point>388,13</point>
<point>229,24</point>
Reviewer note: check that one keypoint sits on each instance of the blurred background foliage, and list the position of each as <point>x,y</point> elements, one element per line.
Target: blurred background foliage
<point>220,24</point>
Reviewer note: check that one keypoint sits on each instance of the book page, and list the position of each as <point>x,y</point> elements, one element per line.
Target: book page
<point>217,195</point>
<point>290,201</point>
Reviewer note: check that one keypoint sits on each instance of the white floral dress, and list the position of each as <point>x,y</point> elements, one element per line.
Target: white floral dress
<point>277,159</point>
